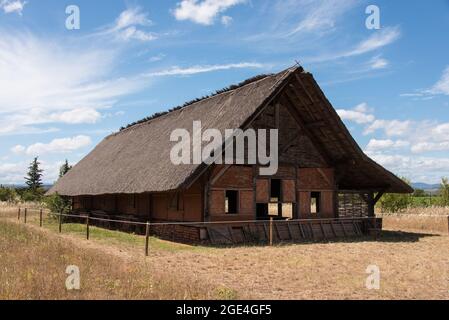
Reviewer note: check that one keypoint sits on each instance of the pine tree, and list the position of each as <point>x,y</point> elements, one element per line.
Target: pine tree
<point>34,177</point>
<point>64,168</point>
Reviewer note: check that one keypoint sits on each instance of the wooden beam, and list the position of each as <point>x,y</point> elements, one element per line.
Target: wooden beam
<point>294,114</point>
<point>304,88</point>
<point>378,196</point>
<point>321,172</point>
<point>290,143</point>
<point>220,174</point>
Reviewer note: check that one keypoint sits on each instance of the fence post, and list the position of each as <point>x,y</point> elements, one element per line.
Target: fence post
<point>271,231</point>
<point>147,235</point>
<point>18,215</point>
<point>87,227</point>
<point>40,218</point>
<point>448,224</point>
<point>60,222</point>
<point>25,216</point>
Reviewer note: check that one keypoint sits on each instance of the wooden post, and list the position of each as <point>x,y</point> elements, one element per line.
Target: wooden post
<point>271,231</point>
<point>18,215</point>
<point>40,218</point>
<point>87,227</point>
<point>25,216</point>
<point>60,222</point>
<point>147,235</point>
<point>448,223</point>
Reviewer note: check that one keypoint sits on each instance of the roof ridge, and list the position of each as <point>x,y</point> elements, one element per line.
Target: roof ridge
<point>218,93</point>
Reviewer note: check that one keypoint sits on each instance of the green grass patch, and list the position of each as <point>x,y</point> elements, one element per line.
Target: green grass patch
<point>115,236</point>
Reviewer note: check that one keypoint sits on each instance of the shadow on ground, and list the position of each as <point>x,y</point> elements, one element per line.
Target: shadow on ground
<point>385,237</point>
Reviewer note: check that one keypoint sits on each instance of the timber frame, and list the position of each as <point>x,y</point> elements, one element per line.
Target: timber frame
<point>324,179</point>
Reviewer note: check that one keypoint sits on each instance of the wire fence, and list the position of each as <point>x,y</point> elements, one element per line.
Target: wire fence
<point>23,213</point>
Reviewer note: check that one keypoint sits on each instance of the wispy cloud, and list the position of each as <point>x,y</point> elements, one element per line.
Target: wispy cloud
<point>57,89</point>
<point>441,87</point>
<point>203,11</point>
<point>178,71</point>
<point>377,40</point>
<point>128,26</point>
<point>378,63</point>
<point>11,6</point>
<point>316,15</point>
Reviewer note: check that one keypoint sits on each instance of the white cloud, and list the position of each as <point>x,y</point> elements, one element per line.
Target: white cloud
<point>128,26</point>
<point>378,63</point>
<point>136,34</point>
<point>202,11</point>
<point>157,57</point>
<point>375,144</point>
<point>13,173</point>
<point>430,146</point>
<point>360,114</point>
<point>76,116</point>
<point>63,145</point>
<point>176,71</point>
<point>131,17</point>
<point>226,20</point>
<point>317,15</point>
<point>18,149</point>
<point>425,169</point>
<point>58,80</point>
<point>390,127</point>
<point>377,40</point>
<point>10,6</point>
<point>442,86</point>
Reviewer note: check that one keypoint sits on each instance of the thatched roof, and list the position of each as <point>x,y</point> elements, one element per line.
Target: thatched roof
<point>136,159</point>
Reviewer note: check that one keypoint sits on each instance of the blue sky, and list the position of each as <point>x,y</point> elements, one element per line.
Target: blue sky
<point>62,91</point>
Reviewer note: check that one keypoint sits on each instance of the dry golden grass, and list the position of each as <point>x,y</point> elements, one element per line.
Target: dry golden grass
<point>433,219</point>
<point>413,265</point>
<point>33,265</point>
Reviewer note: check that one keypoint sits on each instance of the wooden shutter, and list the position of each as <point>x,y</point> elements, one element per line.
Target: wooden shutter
<point>262,190</point>
<point>288,190</point>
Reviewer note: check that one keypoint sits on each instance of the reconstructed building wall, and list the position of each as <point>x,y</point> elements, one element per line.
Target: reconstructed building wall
<point>148,207</point>
<point>236,178</point>
<point>317,180</point>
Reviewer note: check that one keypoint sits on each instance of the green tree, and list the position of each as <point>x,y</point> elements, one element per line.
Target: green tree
<point>64,168</point>
<point>7,194</point>
<point>57,204</point>
<point>419,193</point>
<point>34,181</point>
<point>444,191</point>
<point>395,202</point>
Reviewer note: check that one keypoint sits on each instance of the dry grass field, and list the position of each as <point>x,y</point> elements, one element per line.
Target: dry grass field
<point>413,258</point>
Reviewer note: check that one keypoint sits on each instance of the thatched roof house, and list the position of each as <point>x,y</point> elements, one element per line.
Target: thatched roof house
<point>319,160</point>
<point>136,160</point>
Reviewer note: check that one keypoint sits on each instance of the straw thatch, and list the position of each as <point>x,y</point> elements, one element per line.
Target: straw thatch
<point>137,159</point>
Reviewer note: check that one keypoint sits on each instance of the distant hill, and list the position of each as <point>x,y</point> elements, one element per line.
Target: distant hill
<point>425,186</point>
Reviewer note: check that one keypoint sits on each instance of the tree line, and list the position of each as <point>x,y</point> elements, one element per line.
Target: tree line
<point>34,190</point>
<point>392,202</point>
